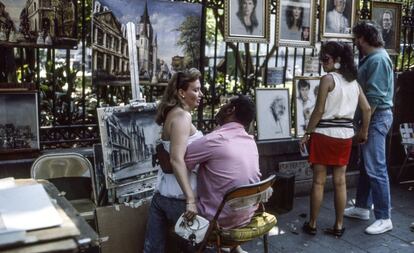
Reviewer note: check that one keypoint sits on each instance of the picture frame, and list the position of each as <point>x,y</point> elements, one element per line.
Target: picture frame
<point>19,122</point>
<point>296,23</point>
<point>274,76</point>
<point>337,18</point>
<point>273,113</point>
<point>235,29</point>
<point>128,137</point>
<point>39,23</point>
<point>305,90</point>
<point>388,16</point>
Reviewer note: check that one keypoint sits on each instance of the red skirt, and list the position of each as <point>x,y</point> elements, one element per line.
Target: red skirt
<point>327,150</point>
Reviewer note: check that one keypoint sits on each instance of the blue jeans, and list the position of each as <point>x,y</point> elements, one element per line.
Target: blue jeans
<point>163,214</point>
<point>373,185</point>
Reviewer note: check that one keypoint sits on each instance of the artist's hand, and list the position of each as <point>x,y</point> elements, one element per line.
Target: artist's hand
<point>190,211</point>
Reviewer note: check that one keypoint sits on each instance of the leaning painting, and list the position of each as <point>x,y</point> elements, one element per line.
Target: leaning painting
<point>168,38</point>
<point>19,131</point>
<point>273,113</point>
<point>128,136</point>
<point>38,23</point>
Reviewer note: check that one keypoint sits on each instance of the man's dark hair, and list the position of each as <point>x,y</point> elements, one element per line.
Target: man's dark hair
<point>370,31</point>
<point>303,84</point>
<point>244,109</point>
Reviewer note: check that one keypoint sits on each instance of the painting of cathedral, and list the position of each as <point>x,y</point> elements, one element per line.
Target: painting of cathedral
<point>168,36</point>
<point>38,22</point>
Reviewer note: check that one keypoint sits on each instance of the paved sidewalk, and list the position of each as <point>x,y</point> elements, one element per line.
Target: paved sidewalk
<point>288,236</point>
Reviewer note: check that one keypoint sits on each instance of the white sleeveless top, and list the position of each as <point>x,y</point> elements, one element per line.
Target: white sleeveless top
<point>167,184</point>
<point>341,103</point>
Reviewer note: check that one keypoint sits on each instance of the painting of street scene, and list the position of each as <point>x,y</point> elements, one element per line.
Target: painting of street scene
<point>38,23</point>
<point>18,122</point>
<point>167,39</point>
<point>128,138</point>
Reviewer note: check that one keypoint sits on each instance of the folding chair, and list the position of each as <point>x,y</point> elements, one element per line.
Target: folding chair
<point>407,140</point>
<point>237,199</point>
<point>70,173</point>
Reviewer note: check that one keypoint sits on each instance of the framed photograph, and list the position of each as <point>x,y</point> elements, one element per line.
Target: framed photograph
<point>168,39</point>
<point>388,17</point>
<point>38,23</point>
<point>128,136</point>
<point>19,122</point>
<point>273,113</point>
<point>305,92</point>
<point>247,21</point>
<point>337,18</point>
<point>295,23</point>
<point>274,76</point>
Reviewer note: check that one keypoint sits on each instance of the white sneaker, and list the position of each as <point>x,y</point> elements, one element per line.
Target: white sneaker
<point>379,226</point>
<point>357,213</point>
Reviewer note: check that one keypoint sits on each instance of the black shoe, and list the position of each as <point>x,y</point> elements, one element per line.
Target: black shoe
<point>308,229</point>
<point>334,231</point>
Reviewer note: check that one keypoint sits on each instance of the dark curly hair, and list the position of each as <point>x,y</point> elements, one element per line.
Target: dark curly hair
<point>344,51</point>
<point>245,109</point>
<point>370,31</point>
<point>290,20</point>
<point>180,80</point>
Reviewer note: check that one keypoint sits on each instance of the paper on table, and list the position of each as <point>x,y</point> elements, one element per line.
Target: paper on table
<point>27,207</point>
<point>7,182</point>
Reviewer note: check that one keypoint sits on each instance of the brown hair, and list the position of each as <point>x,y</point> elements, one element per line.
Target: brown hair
<point>170,99</point>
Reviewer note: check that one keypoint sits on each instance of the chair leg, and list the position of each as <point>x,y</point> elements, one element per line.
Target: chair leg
<point>266,250</point>
<point>401,169</point>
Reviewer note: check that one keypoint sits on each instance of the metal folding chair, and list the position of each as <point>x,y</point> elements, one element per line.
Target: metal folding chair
<point>238,199</point>
<point>70,173</point>
<point>407,140</point>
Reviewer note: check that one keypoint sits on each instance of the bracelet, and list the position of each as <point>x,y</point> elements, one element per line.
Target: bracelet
<point>307,133</point>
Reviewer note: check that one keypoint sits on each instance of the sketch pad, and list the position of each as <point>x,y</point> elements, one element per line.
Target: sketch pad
<point>27,207</point>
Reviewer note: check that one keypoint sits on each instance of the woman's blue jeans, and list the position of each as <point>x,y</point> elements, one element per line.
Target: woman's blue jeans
<point>373,185</point>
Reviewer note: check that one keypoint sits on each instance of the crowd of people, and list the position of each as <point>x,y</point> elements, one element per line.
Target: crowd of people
<point>206,166</point>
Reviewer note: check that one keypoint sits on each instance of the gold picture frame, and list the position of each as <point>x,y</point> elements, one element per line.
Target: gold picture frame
<point>296,30</point>
<point>235,28</point>
<point>388,16</point>
<point>337,20</point>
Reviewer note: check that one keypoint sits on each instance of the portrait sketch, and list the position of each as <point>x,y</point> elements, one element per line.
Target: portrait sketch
<point>305,90</point>
<point>247,20</point>
<point>295,23</point>
<point>273,113</point>
<point>388,17</point>
<point>338,17</point>
<point>128,137</point>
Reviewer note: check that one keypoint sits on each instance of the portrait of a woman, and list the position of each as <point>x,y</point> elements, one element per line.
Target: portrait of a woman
<point>245,20</point>
<point>294,20</point>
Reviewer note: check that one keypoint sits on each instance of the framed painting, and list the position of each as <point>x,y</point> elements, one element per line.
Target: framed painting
<point>305,91</point>
<point>247,21</point>
<point>337,18</point>
<point>128,136</point>
<point>273,113</point>
<point>388,16</point>
<point>19,122</point>
<point>295,23</point>
<point>274,76</point>
<point>38,23</point>
<point>168,39</point>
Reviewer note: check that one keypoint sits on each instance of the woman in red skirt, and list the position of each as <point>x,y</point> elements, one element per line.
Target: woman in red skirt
<point>330,129</point>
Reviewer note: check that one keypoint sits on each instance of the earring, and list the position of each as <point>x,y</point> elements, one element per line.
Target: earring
<point>337,65</point>
<point>182,97</point>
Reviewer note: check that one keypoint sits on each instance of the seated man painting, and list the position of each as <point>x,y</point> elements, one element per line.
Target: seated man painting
<point>228,158</point>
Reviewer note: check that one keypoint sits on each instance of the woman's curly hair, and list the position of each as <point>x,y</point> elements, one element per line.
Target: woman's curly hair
<point>344,51</point>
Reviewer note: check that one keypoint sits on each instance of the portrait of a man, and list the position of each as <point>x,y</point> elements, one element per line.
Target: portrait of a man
<point>246,20</point>
<point>388,17</point>
<point>337,19</point>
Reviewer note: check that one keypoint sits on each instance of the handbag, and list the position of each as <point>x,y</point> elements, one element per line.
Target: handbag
<point>163,158</point>
<point>192,231</point>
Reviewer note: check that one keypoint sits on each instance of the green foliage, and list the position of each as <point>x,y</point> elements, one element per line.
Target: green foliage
<point>189,40</point>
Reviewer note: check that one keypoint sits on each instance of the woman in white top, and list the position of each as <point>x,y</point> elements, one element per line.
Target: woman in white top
<point>174,193</point>
<point>330,129</point>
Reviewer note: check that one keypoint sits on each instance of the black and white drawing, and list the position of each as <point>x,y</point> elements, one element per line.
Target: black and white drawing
<point>128,136</point>
<point>273,113</point>
<point>19,128</point>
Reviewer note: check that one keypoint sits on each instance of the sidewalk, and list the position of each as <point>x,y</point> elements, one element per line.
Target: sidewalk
<point>288,235</point>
